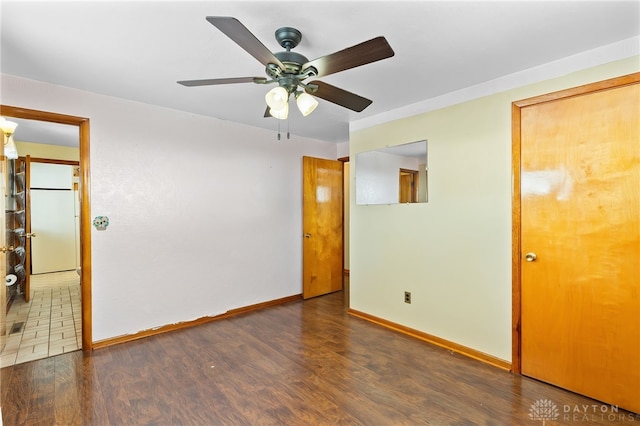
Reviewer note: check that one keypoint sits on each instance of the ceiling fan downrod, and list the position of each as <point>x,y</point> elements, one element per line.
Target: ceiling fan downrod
<point>288,37</point>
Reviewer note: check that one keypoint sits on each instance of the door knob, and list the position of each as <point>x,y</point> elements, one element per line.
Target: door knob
<point>28,235</point>
<point>6,249</point>
<point>530,257</point>
<point>307,235</point>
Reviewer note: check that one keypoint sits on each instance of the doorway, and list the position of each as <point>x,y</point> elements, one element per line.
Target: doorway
<point>576,240</point>
<point>84,205</point>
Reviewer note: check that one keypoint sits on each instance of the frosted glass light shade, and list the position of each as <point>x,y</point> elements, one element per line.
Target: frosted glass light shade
<point>277,98</point>
<point>10,149</point>
<point>306,103</point>
<point>7,127</point>
<point>281,113</point>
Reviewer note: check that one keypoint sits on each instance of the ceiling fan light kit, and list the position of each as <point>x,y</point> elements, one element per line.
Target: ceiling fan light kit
<point>281,113</point>
<point>277,98</point>
<point>290,69</point>
<point>306,103</point>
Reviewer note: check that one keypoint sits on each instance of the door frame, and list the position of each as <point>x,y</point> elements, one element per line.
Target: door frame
<point>516,249</point>
<point>85,207</point>
<point>346,199</point>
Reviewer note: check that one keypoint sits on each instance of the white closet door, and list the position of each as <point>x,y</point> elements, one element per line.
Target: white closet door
<point>53,221</point>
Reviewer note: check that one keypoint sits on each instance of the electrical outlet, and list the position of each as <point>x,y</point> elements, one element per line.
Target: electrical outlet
<point>407,297</point>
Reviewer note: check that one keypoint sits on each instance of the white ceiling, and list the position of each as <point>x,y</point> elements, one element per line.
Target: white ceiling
<point>138,50</point>
<point>45,132</point>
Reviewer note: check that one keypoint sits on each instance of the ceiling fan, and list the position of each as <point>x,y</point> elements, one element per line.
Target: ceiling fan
<point>290,70</point>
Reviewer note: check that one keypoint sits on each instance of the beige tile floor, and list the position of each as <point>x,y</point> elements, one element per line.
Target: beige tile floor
<point>51,320</point>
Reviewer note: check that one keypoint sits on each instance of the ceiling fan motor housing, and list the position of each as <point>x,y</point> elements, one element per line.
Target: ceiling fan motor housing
<point>292,61</point>
<point>293,74</point>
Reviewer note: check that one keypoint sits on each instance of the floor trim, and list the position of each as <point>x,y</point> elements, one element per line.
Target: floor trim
<point>172,327</point>
<point>455,347</point>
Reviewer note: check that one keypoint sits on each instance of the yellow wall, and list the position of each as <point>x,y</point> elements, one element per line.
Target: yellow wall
<point>53,152</point>
<point>454,252</point>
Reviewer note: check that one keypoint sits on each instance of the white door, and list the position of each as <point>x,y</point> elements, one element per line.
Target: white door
<point>53,221</point>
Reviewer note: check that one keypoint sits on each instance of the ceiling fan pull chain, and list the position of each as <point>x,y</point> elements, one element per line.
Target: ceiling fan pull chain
<point>278,129</point>
<point>288,134</point>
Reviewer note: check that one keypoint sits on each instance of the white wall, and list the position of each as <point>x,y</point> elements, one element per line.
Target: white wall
<point>205,215</point>
<point>454,252</point>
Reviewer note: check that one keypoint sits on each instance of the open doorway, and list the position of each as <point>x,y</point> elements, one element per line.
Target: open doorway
<point>80,272</point>
<point>43,315</point>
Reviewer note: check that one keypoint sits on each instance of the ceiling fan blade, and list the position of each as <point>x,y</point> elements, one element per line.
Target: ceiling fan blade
<point>339,96</point>
<point>361,54</point>
<point>212,81</point>
<point>267,114</point>
<point>244,38</point>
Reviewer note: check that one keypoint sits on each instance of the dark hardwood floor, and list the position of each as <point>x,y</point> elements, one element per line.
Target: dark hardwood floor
<point>301,363</point>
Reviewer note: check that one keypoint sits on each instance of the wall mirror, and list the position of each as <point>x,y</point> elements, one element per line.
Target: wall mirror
<point>392,175</point>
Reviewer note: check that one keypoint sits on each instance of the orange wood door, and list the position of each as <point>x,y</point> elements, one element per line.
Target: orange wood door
<point>3,256</point>
<point>580,215</point>
<point>26,166</point>
<point>408,186</point>
<point>322,268</point>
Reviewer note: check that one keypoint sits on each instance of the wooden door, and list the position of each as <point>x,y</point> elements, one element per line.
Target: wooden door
<point>408,186</point>
<point>3,256</point>
<point>22,225</point>
<point>25,165</point>
<point>580,242</point>
<point>322,254</point>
